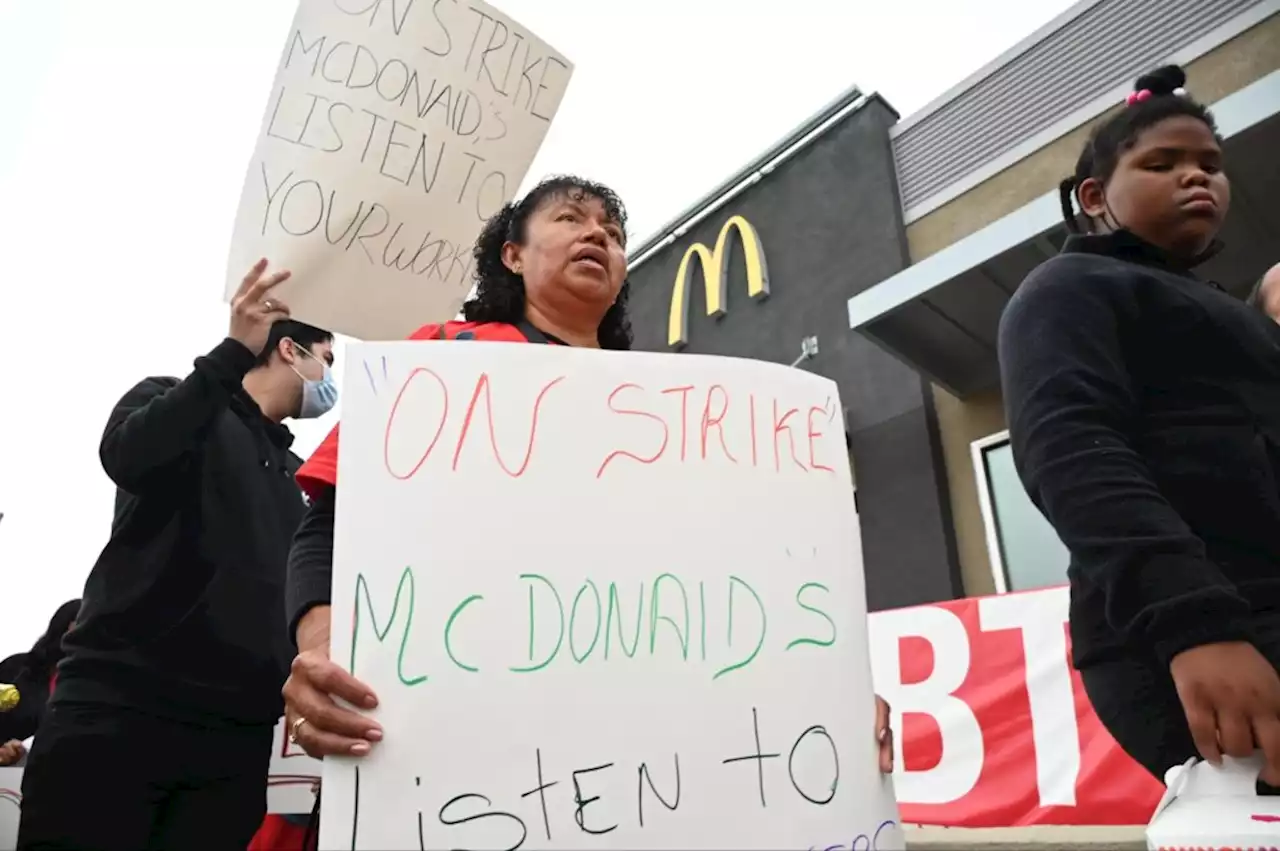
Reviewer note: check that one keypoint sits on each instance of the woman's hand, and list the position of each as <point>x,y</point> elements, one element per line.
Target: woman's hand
<point>11,752</point>
<point>1231,694</point>
<point>884,735</point>
<point>313,719</point>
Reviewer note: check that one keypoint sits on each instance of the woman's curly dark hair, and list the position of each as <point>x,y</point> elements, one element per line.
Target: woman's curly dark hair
<point>500,292</point>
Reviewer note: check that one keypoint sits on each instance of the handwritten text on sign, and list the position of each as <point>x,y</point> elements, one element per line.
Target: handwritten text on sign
<point>608,600</point>
<point>394,129</point>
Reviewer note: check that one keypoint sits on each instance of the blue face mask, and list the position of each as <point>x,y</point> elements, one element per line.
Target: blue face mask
<point>318,395</point>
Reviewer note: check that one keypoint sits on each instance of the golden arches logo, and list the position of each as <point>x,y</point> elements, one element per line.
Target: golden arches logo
<point>715,274</point>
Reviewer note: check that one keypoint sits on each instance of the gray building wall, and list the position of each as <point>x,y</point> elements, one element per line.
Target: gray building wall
<point>1101,44</point>
<point>830,223</point>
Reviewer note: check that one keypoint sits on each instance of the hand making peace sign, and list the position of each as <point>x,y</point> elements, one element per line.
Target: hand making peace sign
<point>252,312</point>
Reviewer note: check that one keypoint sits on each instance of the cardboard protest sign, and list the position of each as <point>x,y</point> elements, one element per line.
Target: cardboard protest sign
<point>608,600</point>
<point>393,130</point>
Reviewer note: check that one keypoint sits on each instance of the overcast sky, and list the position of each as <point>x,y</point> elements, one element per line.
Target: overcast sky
<point>127,127</point>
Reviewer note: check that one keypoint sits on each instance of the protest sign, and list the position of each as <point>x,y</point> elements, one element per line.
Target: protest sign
<point>607,600</point>
<point>393,130</point>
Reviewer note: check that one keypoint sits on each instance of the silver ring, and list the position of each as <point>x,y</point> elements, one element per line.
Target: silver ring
<point>267,304</point>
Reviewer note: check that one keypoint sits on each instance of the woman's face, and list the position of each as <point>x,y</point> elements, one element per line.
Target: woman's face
<point>1169,188</point>
<point>573,256</point>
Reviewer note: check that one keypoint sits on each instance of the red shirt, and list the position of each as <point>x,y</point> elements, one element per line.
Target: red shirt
<point>321,469</point>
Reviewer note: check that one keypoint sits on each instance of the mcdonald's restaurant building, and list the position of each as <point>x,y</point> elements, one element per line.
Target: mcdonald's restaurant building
<point>880,251</point>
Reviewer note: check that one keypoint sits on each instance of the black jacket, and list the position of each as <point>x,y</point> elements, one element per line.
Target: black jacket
<point>1144,414</point>
<point>183,614</point>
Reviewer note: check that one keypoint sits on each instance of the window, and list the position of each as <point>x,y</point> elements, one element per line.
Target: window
<point>1025,551</point>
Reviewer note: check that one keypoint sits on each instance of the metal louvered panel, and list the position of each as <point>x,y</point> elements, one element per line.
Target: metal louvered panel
<point>1104,46</point>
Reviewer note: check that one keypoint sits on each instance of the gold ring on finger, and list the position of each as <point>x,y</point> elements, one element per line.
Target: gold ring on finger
<point>294,729</point>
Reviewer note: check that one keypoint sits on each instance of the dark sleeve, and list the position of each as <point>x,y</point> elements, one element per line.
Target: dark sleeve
<point>1072,413</point>
<point>158,421</point>
<point>310,578</point>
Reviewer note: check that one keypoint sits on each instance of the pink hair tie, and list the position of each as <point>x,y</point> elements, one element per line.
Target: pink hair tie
<point>1137,97</point>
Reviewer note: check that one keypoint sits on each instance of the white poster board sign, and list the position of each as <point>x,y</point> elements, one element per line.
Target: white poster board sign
<point>394,129</point>
<point>608,600</point>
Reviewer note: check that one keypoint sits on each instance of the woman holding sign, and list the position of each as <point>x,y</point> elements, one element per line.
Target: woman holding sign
<point>551,269</point>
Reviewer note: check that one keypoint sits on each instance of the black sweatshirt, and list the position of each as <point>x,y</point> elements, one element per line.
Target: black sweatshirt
<point>183,614</point>
<point>1144,415</point>
<point>311,559</point>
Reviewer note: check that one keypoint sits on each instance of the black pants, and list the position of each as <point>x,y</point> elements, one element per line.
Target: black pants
<point>1136,701</point>
<point>102,778</point>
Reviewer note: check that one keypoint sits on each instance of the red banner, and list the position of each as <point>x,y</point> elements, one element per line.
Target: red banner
<point>993,725</point>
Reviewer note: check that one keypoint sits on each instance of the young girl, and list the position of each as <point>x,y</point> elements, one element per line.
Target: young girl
<point>1144,413</point>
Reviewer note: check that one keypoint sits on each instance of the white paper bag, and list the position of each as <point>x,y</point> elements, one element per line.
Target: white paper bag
<point>1215,807</point>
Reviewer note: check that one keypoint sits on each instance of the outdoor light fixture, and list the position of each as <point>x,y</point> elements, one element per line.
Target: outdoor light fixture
<point>808,350</point>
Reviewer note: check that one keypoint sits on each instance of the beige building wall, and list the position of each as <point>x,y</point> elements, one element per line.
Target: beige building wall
<point>1233,65</point>
<point>960,423</point>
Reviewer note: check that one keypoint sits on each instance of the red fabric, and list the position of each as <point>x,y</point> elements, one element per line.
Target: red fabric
<point>321,469</point>
<point>278,834</point>
<point>940,687</point>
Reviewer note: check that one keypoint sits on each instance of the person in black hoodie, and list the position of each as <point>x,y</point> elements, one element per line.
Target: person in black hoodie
<point>159,732</point>
<point>1145,423</point>
<point>32,674</point>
